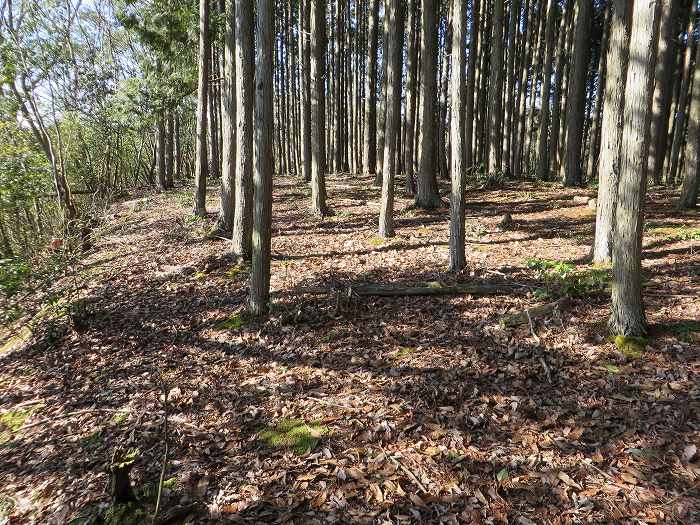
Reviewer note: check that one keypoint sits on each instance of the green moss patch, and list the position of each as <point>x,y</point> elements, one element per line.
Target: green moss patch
<point>130,514</point>
<point>294,434</point>
<point>234,322</point>
<point>403,351</point>
<point>631,347</point>
<point>236,271</point>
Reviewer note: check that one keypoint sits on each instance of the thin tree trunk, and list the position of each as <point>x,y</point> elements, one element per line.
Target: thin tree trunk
<point>304,68</point>
<point>318,110</point>
<point>201,163</point>
<point>381,115</point>
<point>663,89</point>
<point>393,49</point>
<point>370,132</point>
<point>457,234</point>
<point>495,91</point>
<point>680,124</point>
<point>689,189</point>
<point>471,84</point>
<point>161,168</point>
<point>543,146</point>
<point>411,74</point>
<point>228,124</point>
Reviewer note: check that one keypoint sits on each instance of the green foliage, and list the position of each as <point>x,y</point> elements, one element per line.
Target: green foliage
<point>13,274</point>
<point>563,278</point>
<point>294,434</point>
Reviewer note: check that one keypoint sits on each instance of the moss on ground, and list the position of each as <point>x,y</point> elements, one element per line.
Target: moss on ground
<point>294,434</point>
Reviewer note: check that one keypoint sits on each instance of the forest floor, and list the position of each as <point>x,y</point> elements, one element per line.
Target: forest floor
<point>392,409</point>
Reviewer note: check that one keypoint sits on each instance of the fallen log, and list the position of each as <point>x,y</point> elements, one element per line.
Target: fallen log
<point>527,315</point>
<point>380,290</point>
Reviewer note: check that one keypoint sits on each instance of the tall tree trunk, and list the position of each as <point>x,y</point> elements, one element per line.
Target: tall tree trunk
<point>381,115</point>
<point>627,312</point>
<point>228,124</point>
<point>318,110</point>
<point>161,167</point>
<point>689,189</point>
<point>459,34</point>
<point>393,49</point>
<point>680,123</point>
<point>304,69</point>
<point>411,74</point>
<point>495,91</point>
<point>611,133</point>
<point>471,84</point>
<point>370,132</point>
<point>543,146</point>
<point>509,106</point>
<point>663,89</point>
<point>427,196</point>
<point>597,116</point>
<point>201,163</point>
<point>170,151</point>
<point>556,104</point>
<point>576,100</point>
<point>259,299</point>
<point>243,193</point>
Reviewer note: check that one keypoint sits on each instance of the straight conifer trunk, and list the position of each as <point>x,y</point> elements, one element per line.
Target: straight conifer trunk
<point>459,33</point>
<point>201,162</point>
<point>496,91</point>
<point>228,124</point>
<point>318,109</point>
<point>264,163</point>
<point>689,189</point>
<point>427,196</point>
<point>627,316</point>
<point>611,133</point>
<point>393,113</point>
<point>243,212</point>
<point>370,131</point>
<point>576,100</point>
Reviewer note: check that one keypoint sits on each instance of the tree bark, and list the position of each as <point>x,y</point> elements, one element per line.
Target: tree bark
<point>611,133</point>
<point>689,189</point>
<point>259,299</point>
<point>495,91</point>
<point>393,49</point>
<point>243,193</point>
<point>627,312</point>
<point>427,196</point>
<point>457,234</point>
<point>576,100</point>
<point>411,74</point>
<point>370,132</point>
<point>663,89</point>
<point>228,124</point>
<point>201,163</point>
<point>543,146</point>
<point>680,122</point>
<point>318,110</point>
<point>471,84</point>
